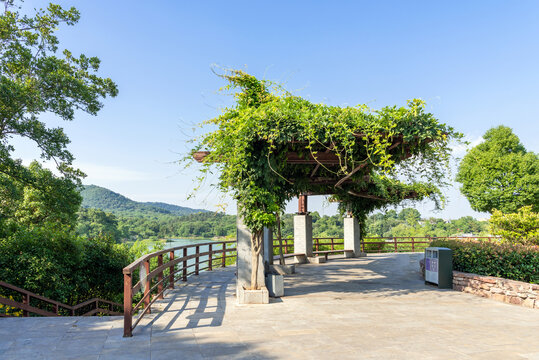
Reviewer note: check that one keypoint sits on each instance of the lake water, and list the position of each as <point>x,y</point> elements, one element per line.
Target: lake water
<point>170,243</point>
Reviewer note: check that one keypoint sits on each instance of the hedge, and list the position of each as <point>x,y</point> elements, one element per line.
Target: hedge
<point>509,261</point>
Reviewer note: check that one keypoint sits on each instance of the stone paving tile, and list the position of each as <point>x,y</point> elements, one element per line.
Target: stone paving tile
<point>369,308</point>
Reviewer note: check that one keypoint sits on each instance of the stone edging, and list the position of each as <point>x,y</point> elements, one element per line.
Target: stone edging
<point>500,289</point>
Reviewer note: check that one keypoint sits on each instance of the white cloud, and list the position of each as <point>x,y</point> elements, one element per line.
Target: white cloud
<point>459,149</point>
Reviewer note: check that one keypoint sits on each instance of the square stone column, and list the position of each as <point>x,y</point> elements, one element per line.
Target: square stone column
<point>352,239</point>
<point>243,262</point>
<point>303,235</point>
<point>268,248</point>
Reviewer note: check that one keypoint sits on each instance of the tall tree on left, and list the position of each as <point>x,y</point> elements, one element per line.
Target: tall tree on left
<point>34,79</point>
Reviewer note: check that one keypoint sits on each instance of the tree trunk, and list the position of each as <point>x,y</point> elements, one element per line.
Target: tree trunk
<point>281,256</point>
<point>256,248</point>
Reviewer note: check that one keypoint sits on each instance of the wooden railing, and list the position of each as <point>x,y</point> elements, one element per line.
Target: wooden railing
<point>156,276</point>
<point>33,304</point>
<point>373,244</point>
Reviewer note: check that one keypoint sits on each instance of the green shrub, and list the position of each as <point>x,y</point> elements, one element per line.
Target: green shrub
<point>510,261</point>
<point>520,227</point>
<point>59,265</point>
<point>374,245</point>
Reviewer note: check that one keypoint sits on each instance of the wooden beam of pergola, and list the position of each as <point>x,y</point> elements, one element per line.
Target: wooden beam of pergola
<point>292,158</point>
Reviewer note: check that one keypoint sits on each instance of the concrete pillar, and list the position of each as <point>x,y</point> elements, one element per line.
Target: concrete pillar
<point>303,235</point>
<point>243,262</point>
<point>268,248</point>
<point>352,239</point>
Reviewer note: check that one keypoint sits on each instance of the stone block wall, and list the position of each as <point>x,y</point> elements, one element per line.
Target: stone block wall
<point>509,291</point>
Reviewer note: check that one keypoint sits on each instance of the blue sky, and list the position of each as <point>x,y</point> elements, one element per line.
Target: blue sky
<point>474,62</point>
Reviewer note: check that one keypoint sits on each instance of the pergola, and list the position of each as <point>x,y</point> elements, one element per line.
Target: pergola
<point>324,168</point>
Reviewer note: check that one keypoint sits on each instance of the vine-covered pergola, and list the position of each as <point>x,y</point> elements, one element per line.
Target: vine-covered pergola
<point>273,146</point>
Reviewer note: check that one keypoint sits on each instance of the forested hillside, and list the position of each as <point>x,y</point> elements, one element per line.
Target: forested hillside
<point>97,197</point>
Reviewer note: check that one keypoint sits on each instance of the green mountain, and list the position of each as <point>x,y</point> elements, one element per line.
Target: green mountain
<point>101,198</point>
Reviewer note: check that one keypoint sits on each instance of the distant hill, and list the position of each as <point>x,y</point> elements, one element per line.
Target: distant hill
<point>101,198</point>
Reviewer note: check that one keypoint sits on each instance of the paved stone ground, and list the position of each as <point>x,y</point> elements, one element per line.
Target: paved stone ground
<point>369,308</point>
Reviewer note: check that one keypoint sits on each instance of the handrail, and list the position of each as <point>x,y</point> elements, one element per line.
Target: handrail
<point>28,309</point>
<point>383,245</point>
<point>155,280</point>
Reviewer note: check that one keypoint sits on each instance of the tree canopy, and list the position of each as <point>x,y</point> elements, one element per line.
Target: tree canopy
<point>500,174</point>
<point>272,146</point>
<point>35,80</point>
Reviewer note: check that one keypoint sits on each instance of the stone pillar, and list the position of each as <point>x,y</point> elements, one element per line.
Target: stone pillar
<point>352,240</point>
<point>268,248</point>
<point>303,235</point>
<point>243,262</point>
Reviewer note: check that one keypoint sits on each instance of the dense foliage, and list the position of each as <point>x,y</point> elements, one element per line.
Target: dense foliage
<point>515,262</point>
<point>93,222</point>
<point>520,227</point>
<point>61,266</point>
<point>500,174</point>
<point>39,249</point>
<point>252,140</point>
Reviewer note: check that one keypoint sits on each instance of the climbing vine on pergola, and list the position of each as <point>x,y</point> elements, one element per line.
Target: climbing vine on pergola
<point>273,146</point>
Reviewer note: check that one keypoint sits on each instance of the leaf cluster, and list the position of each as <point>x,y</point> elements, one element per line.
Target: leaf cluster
<point>251,140</point>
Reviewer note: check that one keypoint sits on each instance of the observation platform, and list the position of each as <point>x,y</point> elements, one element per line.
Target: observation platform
<point>376,307</point>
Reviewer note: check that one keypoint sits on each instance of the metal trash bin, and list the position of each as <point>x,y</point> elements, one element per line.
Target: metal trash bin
<point>439,267</point>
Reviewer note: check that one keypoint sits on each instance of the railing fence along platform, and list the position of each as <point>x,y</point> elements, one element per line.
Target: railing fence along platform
<point>156,275</point>
<point>371,244</point>
<point>33,304</point>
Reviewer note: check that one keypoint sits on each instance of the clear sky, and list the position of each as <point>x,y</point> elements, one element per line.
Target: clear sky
<point>474,62</point>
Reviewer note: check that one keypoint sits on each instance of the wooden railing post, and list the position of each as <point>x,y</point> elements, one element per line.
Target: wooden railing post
<point>413,248</point>
<point>147,287</point>
<point>223,261</point>
<point>184,271</point>
<point>160,276</point>
<point>210,258</point>
<point>317,244</point>
<point>171,270</point>
<point>197,252</point>
<point>363,245</point>
<point>285,246</point>
<point>395,241</point>
<point>128,305</point>
<point>25,301</point>
<point>332,244</point>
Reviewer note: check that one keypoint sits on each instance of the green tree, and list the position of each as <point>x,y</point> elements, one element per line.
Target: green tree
<point>410,215</point>
<point>500,174</point>
<point>35,80</point>
<point>48,200</point>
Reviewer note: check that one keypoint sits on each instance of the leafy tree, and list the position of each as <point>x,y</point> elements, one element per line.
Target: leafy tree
<point>35,80</point>
<point>48,200</point>
<point>520,227</point>
<point>93,223</point>
<point>410,215</point>
<point>500,174</point>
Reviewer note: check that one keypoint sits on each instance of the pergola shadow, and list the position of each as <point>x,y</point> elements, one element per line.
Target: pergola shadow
<point>370,276</point>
